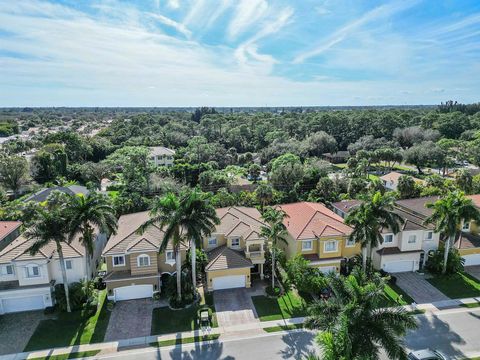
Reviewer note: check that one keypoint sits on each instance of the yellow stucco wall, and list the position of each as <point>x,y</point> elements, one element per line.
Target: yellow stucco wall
<point>229,272</point>
<point>294,247</point>
<point>469,251</point>
<point>221,240</point>
<point>325,255</point>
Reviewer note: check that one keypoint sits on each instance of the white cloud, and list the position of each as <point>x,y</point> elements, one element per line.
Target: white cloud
<point>379,13</point>
<point>181,28</point>
<point>173,4</point>
<point>247,13</point>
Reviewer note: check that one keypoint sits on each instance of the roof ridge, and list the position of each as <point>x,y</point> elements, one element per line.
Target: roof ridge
<point>244,213</point>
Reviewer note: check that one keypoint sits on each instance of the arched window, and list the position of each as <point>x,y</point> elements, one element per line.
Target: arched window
<point>143,260</point>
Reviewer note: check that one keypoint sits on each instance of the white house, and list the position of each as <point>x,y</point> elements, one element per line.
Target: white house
<point>27,281</point>
<point>390,180</point>
<point>162,156</point>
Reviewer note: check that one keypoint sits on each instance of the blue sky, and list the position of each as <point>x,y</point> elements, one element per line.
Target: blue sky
<point>238,52</point>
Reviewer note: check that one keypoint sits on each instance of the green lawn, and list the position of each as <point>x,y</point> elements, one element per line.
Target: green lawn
<point>471,305</point>
<point>283,328</point>
<point>457,286</point>
<point>394,296</point>
<point>75,355</point>
<point>166,321</point>
<point>71,329</point>
<point>187,340</point>
<point>287,306</point>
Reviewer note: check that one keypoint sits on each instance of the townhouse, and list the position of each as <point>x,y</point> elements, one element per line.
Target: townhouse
<point>408,249</point>
<point>319,235</point>
<point>134,264</point>
<point>161,156</point>
<point>27,281</point>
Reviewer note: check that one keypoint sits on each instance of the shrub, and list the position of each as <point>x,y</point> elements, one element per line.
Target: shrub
<point>304,277</point>
<point>276,291</point>
<point>187,290</point>
<point>435,262</point>
<point>82,295</point>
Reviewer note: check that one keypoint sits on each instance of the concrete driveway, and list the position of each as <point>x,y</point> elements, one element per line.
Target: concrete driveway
<point>234,307</point>
<point>16,330</point>
<point>418,288</point>
<point>474,271</point>
<point>130,319</point>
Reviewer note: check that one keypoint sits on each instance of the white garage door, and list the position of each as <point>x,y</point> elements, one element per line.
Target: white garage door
<point>133,292</point>
<point>327,269</point>
<point>399,266</point>
<point>228,282</point>
<point>23,304</point>
<point>473,259</point>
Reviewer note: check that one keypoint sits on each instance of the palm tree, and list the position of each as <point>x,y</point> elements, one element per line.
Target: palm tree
<point>264,194</point>
<point>50,226</point>
<point>275,233</point>
<point>353,322</point>
<point>167,214</point>
<point>85,214</point>
<point>368,220</point>
<point>198,218</point>
<point>448,213</point>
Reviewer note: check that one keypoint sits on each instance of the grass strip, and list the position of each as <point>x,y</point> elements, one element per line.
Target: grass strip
<point>188,340</point>
<point>75,355</point>
<point>283,328</point>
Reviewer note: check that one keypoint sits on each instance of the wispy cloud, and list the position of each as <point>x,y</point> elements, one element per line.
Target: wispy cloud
<point>247,13</point>
<point>181,28</point>
<point>173,4</point>
<point>381,12</point>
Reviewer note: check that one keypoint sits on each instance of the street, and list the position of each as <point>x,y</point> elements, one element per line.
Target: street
<point>454,332</point>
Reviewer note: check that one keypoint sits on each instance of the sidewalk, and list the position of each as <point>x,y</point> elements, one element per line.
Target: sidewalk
<point>230,330</point>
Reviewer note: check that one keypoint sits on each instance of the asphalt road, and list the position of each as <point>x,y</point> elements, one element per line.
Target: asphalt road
<point>454,332</point>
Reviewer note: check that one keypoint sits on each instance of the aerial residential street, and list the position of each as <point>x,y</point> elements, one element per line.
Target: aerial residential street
<point>454,332</point>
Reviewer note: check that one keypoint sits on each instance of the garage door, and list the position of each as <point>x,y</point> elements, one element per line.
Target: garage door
<point>399,266</point>
<point>473,259</point>
<point>228,282</point>
<point>327,269</point>
<point>23,304</point>
<point>133,292</point>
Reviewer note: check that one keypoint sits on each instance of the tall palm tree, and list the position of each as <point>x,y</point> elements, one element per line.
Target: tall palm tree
<point>448,214</point>
<point>50,226</point>
<point>264,194</point>
<point>167,214</point>
<point>275,233</point>
<point>198,218</point>
<point>87,212</point>
<point>368,220</point>
<point>353,322</point>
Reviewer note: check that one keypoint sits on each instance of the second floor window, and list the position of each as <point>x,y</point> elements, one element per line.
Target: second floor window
<point>350,242</point>
<point>235,242</point>
<point>169,256</point>
<point>330,246</point>
<point>143,260</point>
<point>429,235</point>
<point>412,239</point>
<point>68,264</point>
<point>307,245</point>
<point>466,226</point>
<point>388,238</point>
<point>32,271</point>
<point>7,270</point>
<point>212,241</point>
<point>118,260</point>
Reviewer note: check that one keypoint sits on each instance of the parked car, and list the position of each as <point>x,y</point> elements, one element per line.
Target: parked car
<point>427,354</point>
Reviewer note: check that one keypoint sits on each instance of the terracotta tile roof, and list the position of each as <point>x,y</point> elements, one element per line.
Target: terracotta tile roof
<point>222,258</point>
<point>6,227</point>
<point>239,221</point>
<point>17,250</point>
<point>309,220</point>
<point>475,199</point>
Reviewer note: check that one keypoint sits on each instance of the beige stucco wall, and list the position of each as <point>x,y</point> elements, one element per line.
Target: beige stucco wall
<point>218,273</point>
<point>136,270</point>
<point>170,268</point>
<point>110,267</point>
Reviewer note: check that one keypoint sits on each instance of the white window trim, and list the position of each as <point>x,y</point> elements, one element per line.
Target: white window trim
<point>466,229</point>
<point>306,242</point>
<point>172,261</point>
<point>4,271</point>
<point>212,239</point>
<point>426,236</point>
<point>348,244</point>
<point>412,242</point>
<point>71,264</point>
<point>118,256</point>
<point>330,251</point>
<point>235,246</point>
<point>388,242</point>
<point>32,276</point>
<point>143,256</point>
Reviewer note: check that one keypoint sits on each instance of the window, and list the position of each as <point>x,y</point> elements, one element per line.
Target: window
<point>429,235</point>
<point>212,241</point>
<point>350,242</point>
<point>169,256</point>
<point>388,238</point>
<point>307,245</point>
<point>118,260</point>
<point>466,226</point>
<point>330,246</point>
<point>143,260</point>
<point>32,271</point>
<point>7,270</point>
<point>68,264</point>
<point>235,242</point>
<point>412,239</point>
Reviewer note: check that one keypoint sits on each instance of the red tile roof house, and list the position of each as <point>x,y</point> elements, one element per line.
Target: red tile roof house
<point>26,281</point>
<point>408,249</point>
<point>9,231</point>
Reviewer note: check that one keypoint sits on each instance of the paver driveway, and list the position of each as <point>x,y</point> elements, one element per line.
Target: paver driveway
<point>17,329</point>
<point>474,271</point>
<point>130,319</point>
<point>234,307</point>
<point>418,288</point>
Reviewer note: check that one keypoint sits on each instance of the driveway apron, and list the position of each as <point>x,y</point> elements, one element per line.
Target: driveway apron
<point>234,307</point>
<point>418,288</point>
